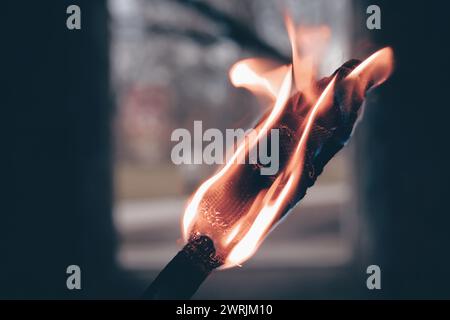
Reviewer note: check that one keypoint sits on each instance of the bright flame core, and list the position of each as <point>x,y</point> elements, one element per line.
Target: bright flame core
<point>238,233</point>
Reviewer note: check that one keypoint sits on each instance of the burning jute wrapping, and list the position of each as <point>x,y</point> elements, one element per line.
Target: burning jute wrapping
<point>181,278</point>
<point>329,133</point>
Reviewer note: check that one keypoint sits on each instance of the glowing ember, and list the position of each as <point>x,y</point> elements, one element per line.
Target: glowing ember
<point>237,206</point>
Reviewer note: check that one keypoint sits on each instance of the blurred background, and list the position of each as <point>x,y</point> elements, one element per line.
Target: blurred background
<point>89,179</point>
<point>170,62</point>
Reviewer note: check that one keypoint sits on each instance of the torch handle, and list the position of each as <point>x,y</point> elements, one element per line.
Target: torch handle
<point>180,279</point>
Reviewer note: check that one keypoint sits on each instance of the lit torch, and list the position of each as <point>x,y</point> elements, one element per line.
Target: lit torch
<point>230,214</point>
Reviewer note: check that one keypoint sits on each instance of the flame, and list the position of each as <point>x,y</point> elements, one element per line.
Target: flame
<point>238,234</point>
<point>259,76</point>
<point>373,71</point>
<point>308,45</point>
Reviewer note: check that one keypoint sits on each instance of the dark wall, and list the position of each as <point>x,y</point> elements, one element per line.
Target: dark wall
<point>403,156</point>
<point>56,108</point>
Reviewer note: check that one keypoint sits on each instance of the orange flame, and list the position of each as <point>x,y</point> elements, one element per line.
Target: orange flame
<point>237,235</point>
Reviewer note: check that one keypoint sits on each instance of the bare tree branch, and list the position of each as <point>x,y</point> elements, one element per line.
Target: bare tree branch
<point>200,37</point>
<point>235,30</point>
